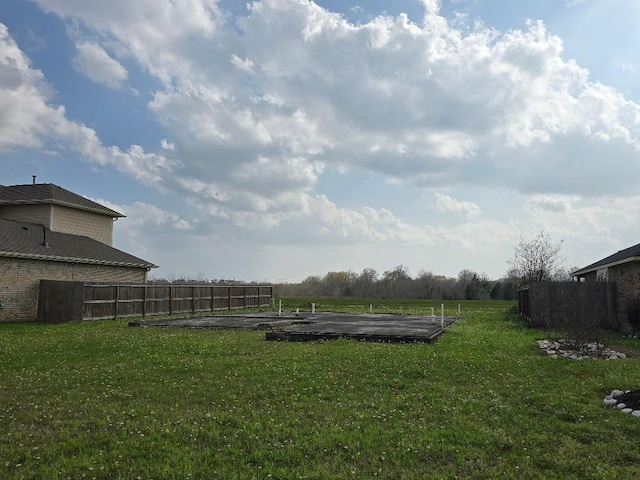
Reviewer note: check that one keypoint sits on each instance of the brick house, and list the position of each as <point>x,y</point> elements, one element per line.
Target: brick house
<point>49,233</point>
<point>621,268</point>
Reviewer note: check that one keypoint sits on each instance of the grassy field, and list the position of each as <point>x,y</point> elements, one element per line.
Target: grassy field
<point>103,400</point>
<point>381,305</point>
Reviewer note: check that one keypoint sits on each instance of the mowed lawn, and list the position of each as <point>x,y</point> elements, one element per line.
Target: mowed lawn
<point>103,400</point>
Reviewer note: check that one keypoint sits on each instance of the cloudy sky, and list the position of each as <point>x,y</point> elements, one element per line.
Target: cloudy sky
<point>276,139</point>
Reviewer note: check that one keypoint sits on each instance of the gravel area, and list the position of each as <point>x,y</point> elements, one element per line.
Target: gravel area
<point>571,349</point>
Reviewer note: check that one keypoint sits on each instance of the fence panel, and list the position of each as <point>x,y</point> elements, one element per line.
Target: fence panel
<point>569,305</point>
<point>61,301</point>
<point>99,301</point>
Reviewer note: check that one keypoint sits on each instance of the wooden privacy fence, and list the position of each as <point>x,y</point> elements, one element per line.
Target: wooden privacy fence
<point>569,304</point>
<point>65,301</point>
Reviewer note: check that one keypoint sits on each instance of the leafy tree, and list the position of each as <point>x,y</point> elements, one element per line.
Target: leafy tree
<point>310,286</point>
<point>337,284</point>
<point>537,260</point>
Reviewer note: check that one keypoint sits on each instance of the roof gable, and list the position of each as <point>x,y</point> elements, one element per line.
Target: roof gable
<point>29,240</point>
<point>48,193</point>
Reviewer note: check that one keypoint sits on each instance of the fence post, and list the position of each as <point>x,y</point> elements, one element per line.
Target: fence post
<point>229,287</point>
<point>212,290</point>
<point>84,299</point>
<point>245,296</point>
<point>115,313</point>
<point>193,300</point>
<point>170,299</point>
<point>144,302</point>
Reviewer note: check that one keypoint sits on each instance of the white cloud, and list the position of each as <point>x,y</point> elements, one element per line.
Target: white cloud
<point>24,112</point>
<point>447,204</point>
<point>260,107</point>
<point>143,215</point>
<point>244,64</point>
<point>92,61</point>
<point>166,145</point>
<point>160,34</point>
<point>29,119</point>
<point>549,203</point>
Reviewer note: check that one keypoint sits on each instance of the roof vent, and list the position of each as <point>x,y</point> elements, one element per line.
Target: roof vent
<point>34,179</point>
<point>44,243</point>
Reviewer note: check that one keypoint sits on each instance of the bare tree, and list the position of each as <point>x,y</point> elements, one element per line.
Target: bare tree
<point>396,282</point>
<point>365,285</point>
<point>538,259</point>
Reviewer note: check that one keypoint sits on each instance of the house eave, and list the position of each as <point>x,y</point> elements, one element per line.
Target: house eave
<point>584,271</point>
<point>105,212</point>
<point>90,261</point>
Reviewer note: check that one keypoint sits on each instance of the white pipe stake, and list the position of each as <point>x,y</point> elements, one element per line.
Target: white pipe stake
<point>371,308</point>
<point>458,309</point>
<point>432,313</point>
<point>313,308</point>
<point>297,311</point>
<point>442,315</point>
<point>280,309</point>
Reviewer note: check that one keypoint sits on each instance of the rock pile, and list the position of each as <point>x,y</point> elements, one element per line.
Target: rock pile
<point>626,402</point>
<point>574,350</point>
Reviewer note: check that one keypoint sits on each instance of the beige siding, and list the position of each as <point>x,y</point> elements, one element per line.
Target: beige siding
<point>79,222</point>
<point>39,214</point>
<point>20,279</point>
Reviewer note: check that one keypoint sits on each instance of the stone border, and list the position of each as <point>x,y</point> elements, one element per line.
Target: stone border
<point>566,348</point>
<point>616,399</point>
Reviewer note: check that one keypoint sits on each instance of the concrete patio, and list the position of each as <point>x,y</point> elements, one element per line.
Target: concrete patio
<point>306,326</point>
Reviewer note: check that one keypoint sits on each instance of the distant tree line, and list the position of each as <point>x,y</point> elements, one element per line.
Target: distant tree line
<point>200,280</point>
<point>534,260</point>
<point>398,283</point>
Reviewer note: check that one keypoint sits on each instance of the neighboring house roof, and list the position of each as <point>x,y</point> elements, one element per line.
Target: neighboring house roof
<point>631,254</point>
<point>48,193</point>
<point>26,240</point>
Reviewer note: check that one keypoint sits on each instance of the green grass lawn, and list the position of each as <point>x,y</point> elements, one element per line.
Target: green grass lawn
<point>103,400</point>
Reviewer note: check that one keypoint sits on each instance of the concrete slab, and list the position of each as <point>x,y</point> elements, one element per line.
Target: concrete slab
<point>322,325</point>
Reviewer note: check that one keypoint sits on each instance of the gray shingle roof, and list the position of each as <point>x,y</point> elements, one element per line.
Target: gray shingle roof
<point>49,193</point>
<point>623,256</point>
<point>25,240</point>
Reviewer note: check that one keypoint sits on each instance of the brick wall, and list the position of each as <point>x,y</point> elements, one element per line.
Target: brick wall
<point>627,279</point>
<point>20,278</point>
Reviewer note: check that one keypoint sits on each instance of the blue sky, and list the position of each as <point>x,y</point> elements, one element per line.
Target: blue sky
<point>284,138</point>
